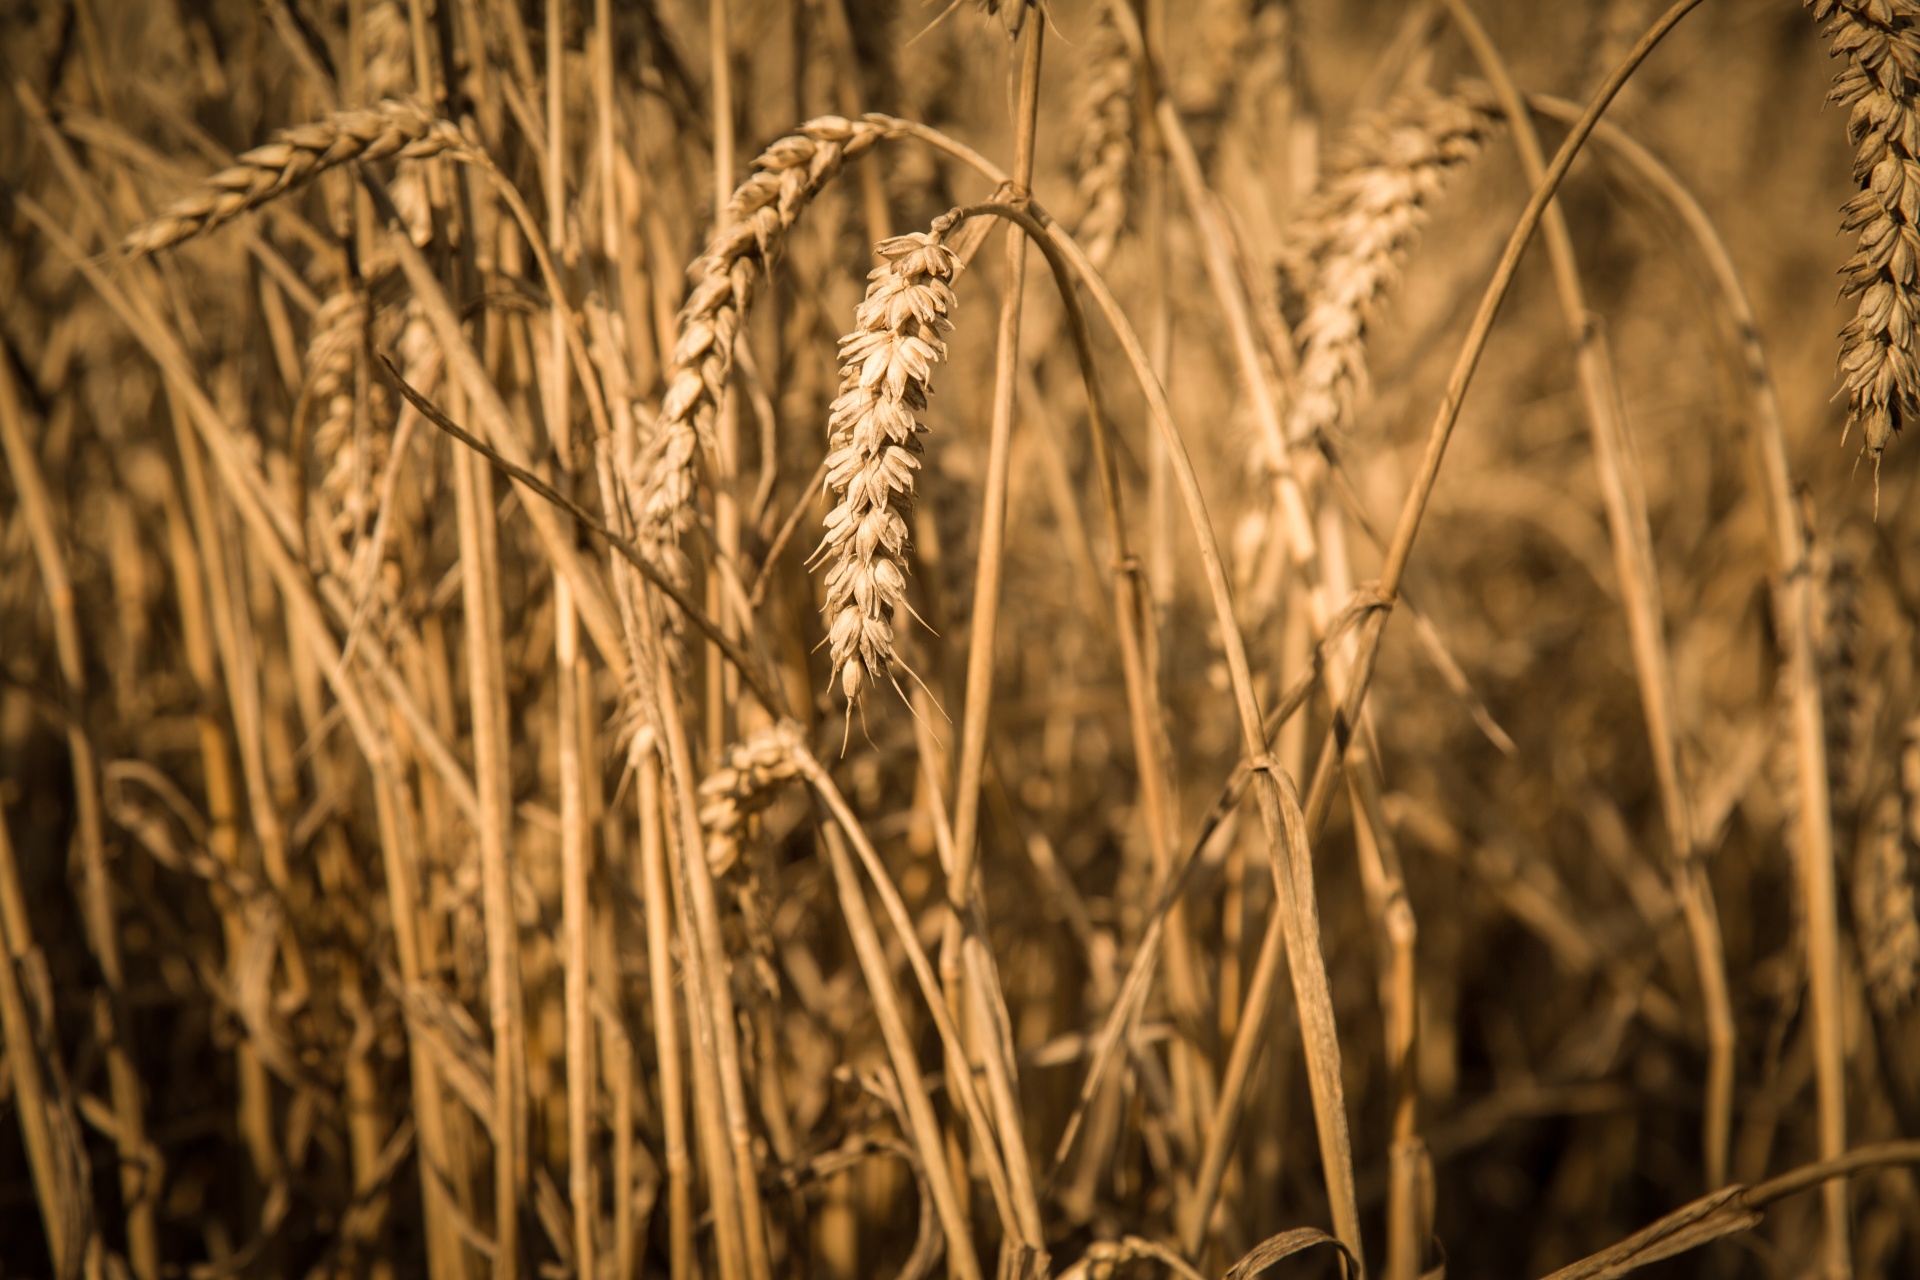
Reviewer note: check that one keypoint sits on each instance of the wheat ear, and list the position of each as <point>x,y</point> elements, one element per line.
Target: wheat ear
<point>744,783</point>
<point>1104,160</point>
<point>874,448</point>
<point>1882,48</point>
<point>1883,897</point>
<point>396,126</point>
<point>1345,248</point>
<point>763,209</point>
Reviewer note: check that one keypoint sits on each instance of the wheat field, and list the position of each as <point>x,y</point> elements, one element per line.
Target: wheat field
<point>735,639</point>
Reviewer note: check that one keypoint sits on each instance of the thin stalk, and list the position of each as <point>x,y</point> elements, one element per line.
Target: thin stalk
<point>47,1124</point>
<point>1312,994</point>
<point>304,617</point>
<point>925,1134</point>
<point>705,937</point>
<point>1813,846</point>
<point>479,581</point>
<point>986,608</point>
<point>1447,416</point>
<point>569,668</point>
<point>1624,491</point>
<point>666,1016</point>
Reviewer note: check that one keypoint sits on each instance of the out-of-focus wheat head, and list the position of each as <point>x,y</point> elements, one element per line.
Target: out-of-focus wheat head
<point>293,158</point>
<point>1104,159</point>
<point>1345,247</point>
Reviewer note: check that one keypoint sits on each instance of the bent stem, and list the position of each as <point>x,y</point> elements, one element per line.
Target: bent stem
<point>980,662</point>
<point>1447,416</point>
<point>1813,846</point>
<point>1624,491</point>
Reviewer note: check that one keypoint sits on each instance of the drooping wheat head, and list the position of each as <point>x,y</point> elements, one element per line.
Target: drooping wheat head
<point>1104,159</point>
<point>1881,45</point>
<point>1345,248</point>
<point>786,177</point>
<point>1884,906</point>
<point>874,449</point>
<point>395,127</point>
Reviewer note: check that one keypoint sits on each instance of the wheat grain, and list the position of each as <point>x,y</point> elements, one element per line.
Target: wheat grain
<point>787,176</point>
<point>1345,248</point>
<point>397,126</point>
<point>1877,358</point>
<point>875,449</point>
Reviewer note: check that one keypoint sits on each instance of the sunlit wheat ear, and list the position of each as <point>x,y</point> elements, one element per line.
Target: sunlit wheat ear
<point>762,210</point>
<point>1344,250</point>
<point>874,450</point>
<point>1877,358</point>
<point>1104,160</point>
<point>396,127</point>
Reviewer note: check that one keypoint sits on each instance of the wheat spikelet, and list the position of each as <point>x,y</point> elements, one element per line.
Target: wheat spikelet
<point>875,449</point>
<point>1105,156</point>
<point>743,784</point>
<point>762,210</point>
<point>1344,250</point>
<point>396,126</point>
<point>1877,358</point>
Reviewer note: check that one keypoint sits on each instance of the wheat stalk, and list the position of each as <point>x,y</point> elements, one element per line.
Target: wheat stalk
<point>875,449</point>
<point>1345,248</point>
<point>762,210</point>
<point>397,126</point>
<point>1877,358</point>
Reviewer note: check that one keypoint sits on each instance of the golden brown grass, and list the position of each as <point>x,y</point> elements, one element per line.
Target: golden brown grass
<point>519,756</point>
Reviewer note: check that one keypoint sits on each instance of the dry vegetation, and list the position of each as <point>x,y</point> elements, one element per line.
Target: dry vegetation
<point>1239,712</point>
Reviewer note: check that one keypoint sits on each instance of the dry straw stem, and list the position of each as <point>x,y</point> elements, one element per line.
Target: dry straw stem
<point>139,1178</point>
<point>751,668</point>
<point>1878,360</point>
<point>395,127</point>
<point>245,489</point>
<point>666,1010</point>
<point>1727,1212</point>
<point>1624,491</point>
<point>1320,796</point>
<point>962,942</point>
<point>48,1128</point>
<point>1813,843</point>
<point>1292,877</point>
<point>1348,241</point>
<point>480,585</point>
